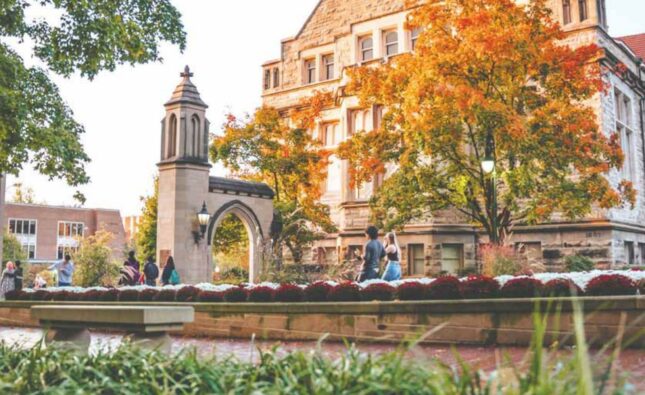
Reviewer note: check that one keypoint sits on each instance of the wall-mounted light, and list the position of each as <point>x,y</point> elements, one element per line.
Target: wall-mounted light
<point>202,218</point>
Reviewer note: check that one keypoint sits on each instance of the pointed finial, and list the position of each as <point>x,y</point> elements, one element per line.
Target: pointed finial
<point>186,74</point>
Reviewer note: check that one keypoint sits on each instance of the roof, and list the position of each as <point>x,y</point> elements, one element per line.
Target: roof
<point>59,207</point>
<point>240,186</point>
<point>636,43</point>
<point>186,91</point>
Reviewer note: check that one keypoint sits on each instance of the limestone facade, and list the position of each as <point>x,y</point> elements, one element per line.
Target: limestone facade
<point>341,34</point>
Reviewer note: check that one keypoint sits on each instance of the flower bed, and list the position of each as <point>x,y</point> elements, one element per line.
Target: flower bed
<point>594,283</point>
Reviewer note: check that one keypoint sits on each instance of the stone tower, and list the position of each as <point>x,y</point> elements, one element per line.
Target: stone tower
<point>183,182</point>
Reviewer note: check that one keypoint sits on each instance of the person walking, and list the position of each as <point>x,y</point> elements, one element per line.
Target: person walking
<point>18,276</point>
<point>151,272</point>
<point>169,274</point>
<point>65,271</point>
<point>393,268</point>
<point>132,263</point>
<point>7,283</point>
<point>373,253</point>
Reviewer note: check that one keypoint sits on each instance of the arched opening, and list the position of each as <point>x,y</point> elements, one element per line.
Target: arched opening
<point>230,250</point>
<point>172,136</point>
<point>196,140</point>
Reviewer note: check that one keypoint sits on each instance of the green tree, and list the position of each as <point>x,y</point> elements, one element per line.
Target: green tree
<point>146,237</point>
<point>36,126</point>
<point>94,265</point>
<point>22,194</point>
<point>12,249</point>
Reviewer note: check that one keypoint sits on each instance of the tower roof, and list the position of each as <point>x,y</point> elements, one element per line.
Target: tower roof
<point>186,92</point>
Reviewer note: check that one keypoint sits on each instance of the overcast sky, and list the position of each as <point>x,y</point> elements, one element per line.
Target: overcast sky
<point>227,43</point>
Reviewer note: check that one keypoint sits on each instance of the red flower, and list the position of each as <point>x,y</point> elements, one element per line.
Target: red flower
<point>317,292</point>
<point>411,291</point>
<point>561,287</point>
<point>378,291</point>
<point>522,287</point>
<point>148,295</point>
<point>444,287</point>
<point>166,295</point>
<point>237,294</point>
<point>479,287</point>
<point>289,293</point>
<point>261,294</point>
<point>187,294</point>
<point>129,295</point>
<point>210,296</point>
<point>611,284</point>
<point>345,292</point>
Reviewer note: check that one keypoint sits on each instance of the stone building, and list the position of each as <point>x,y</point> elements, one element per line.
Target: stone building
<point>340,34</point>
<point>47,233</point>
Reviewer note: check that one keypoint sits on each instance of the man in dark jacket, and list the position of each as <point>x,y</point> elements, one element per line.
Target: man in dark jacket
<point>372,255</point>
<point>18,276</point>
<point>151,272</point>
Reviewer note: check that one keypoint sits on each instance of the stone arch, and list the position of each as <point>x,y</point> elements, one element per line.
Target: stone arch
<point>253,229</point>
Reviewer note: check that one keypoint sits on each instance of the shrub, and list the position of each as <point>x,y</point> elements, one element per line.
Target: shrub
<point>148,294</point>
<point>166,295</point>
<point>411,290</point>
<point>41,294</point>
<point>74,296</point>
<point>210,296</point>
<point>444,287</point>
<point>378,291</point>
<point>318,291</point>
<point>611,284</point>
<point>93,261</point>
<point>289,293</point>
<point>578,263</point>
<point>261,294</point>
<point>129,295</point>
<point>60,295</point>
<point>498,260</point>
<point>522,287</point>
<point>561,287</point>
<point>479,287</point>
<point>15,295</point>
<point>345,292</point>
<point>641,286</point>
<point>92,295</point>
<point>187,294</point>
<point>110,295</point>
<point>237,294</point>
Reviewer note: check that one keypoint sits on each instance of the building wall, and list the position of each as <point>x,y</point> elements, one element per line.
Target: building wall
<point>48,218</point>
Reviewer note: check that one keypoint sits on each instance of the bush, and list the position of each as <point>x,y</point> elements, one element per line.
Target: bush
<point>110,295</point>
<point>611,284</point>
<point>41,294</point>
<point>92,295</point>
<point>60,296</point>
<point>411,291</point>
<point>444,287</point>
<point>578,263</point>
<point>498,260</point>
<point>641,286</point>
<point>74,296</point>
<point>187,294</point>
<point>479,287</point>
<point>378,291</point>
<point>345,292</point>
<point>289,293</point>
<point>210,296</point>
<point>148,294</point>
<point>318,291</point>
<point>237,294</point>
<point>522,287</point>
<point>93,261</point>
<point>261,294</point>
<point>129,295</point>
<point>166,295</point>
<point>561,287</point>
<point>15,295</point>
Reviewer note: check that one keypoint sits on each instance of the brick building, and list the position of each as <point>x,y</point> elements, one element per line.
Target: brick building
<point>131,226</point>
<point>340,34</point>
<point>48,232</point>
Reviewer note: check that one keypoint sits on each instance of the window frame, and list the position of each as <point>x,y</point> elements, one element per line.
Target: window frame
<point>583,10</point>
<point>460,257</point>
<point>566,12</point>
<point>276,77</point>
<point>328,74</point>
<point>267,79</point>
<point>412,247</point>
<point>363,50</point>
<point>28,240</point>
<point>623,114</point>
<point>414,37</point>
<point>310,71</point>
<point>387,45</point>
<point>630,253</point>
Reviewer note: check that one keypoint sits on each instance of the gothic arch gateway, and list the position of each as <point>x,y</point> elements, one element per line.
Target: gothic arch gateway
<point>185,184</point>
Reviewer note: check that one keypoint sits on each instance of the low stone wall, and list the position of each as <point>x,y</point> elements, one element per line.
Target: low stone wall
<point>477,322</point>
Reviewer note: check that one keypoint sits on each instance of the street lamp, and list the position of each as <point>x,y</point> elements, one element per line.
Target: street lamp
<point>202,217</point>
<point>488,167</point>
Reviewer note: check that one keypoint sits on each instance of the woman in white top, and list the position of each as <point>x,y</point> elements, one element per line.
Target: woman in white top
<point>7,283</point>
<point>393,269</point>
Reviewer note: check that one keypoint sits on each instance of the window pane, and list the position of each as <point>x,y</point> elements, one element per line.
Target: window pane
<point>80,230</point>
<point>367,52</point>
<point>12,226</point>
<point>333,174</point>
<point>32,227</point>
<point>451,258</point>
<point>416,259</point>
<point>68,229</point>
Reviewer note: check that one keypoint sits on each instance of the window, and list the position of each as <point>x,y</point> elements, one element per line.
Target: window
<point>452,257</point>
<point>641,247</point>
<point>367,48</point>
<point>62,251</point>
<point>331,134</point>
<point>267,79</point>
<point>310,71</point>
<point>629,252</point>
<point>623,127</point>
<point>276,77</point>
<point>328,66</point>
<point>68,235</point>
<point>358,120</point>
<point>416,260</point>
<point>582,8</point>
<point>414,36</point>
<point>566,11</point>
<point>391,43</point>
<point>172,134</point>
<point>332,184</point>
<point>25,232</point>
<point>377,116</point>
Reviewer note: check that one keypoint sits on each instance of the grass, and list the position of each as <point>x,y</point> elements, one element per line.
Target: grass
<point>129,370</point>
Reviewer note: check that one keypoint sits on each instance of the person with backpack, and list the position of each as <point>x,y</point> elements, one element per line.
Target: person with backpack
<point>19,276</point>
<point>151,272</point>
<point>170,275</point>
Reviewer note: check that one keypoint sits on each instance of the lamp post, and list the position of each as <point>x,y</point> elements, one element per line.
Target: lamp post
<point>488,167</point>
<point>202,217</point>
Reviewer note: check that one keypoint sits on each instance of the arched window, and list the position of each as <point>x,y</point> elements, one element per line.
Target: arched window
<point>172,136</point>
<point>391,43</point>
<point>582,8</point>
<point>367,48</point>
<point>566,12</point>
<point>195,126</point>
<point>276,77</point>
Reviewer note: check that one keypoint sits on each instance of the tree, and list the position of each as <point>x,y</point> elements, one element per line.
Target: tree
<point>12,249</point>
<point>486,78</point>
<point>93,261</point>
<point>36,126</point>
<point>146,237</point>
<point>281,152</point>
<point>22,195</point>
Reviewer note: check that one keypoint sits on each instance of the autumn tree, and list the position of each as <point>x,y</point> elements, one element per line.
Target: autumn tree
<point>279,150</point>
<point>487,78</point>
<point>22,194</point>
<point>146,237</point>
<point>94,265</point>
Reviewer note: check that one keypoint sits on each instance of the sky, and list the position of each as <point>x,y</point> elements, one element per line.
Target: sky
<point>227,43</point>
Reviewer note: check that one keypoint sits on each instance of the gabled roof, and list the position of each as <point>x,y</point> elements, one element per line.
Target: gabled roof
<point>186,91</point>
<point>234,186</point>
<point>636,43</point>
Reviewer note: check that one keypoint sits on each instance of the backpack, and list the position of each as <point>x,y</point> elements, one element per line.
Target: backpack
<point>174,278</point>
<point>152,271</point>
